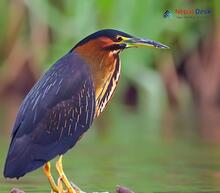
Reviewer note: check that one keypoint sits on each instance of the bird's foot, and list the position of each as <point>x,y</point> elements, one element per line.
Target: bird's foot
<point>69,187</point>
<point>76,188</point>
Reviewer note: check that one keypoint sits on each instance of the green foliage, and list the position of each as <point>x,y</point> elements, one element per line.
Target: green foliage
<point>71,20</point>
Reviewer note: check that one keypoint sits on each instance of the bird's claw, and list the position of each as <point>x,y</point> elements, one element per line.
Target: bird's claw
<point>76,188</point>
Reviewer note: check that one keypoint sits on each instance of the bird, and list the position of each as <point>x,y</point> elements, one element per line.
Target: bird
<point>63,103</point>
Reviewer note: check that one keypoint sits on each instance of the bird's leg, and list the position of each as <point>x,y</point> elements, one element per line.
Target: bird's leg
<point>60,185</point>
<point>71,187</point>
<point>47,172</point>
<point>62,175</point>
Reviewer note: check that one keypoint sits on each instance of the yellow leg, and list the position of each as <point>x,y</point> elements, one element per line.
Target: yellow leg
<point>60,185</point>
<point>62,175</point>
<point>47,172</point>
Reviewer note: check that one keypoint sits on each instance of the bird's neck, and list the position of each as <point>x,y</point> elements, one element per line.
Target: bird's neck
<point>105,70</point>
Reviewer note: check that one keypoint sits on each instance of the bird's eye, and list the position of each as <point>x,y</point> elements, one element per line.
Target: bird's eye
<point>119,38</point>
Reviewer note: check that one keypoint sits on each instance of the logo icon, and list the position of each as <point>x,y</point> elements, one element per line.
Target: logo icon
<point>167,14</point>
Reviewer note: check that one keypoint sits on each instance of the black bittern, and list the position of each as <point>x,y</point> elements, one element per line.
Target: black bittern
<point>62,105</point>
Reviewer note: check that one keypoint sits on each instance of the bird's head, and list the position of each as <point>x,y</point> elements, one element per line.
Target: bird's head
<point>100,52</point>
<point>115,41</point>
<point>102,47</point>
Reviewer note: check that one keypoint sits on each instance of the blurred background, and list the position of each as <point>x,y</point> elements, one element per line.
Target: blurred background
<point>161,131</point>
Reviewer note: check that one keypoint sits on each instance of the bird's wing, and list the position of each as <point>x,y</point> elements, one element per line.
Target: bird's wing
<point>55,113</point>
<point>63,81</point>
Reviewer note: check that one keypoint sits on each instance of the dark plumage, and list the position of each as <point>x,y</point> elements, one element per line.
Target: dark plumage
<point>55,113</point>
<point>110,33</point>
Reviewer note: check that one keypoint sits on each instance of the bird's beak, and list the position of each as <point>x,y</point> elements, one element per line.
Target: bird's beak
<point>138,42</point>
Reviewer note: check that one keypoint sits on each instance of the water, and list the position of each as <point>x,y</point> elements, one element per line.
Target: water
<point>143,165</point>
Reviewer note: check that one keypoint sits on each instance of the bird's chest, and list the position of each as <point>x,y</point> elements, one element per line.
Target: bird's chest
<point>106,83</point>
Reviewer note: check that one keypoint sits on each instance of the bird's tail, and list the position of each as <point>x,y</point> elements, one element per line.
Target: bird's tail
<point>19,160</point>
